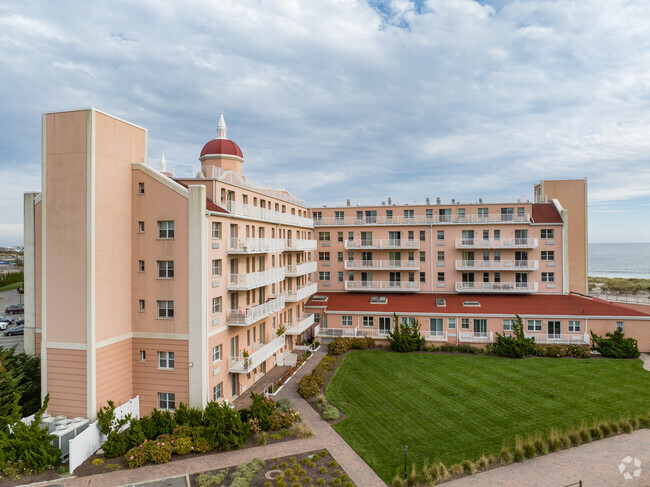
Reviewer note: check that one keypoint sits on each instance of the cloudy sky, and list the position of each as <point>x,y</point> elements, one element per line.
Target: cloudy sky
<point>350,99</point>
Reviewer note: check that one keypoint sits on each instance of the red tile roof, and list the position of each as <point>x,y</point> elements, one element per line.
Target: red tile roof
<point>221,146</point>
<point>545,213</point>
<point>535,305</point>
<point>210,206</point>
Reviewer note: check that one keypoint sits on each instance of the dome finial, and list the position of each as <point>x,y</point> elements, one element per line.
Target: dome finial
<point>221,127</point>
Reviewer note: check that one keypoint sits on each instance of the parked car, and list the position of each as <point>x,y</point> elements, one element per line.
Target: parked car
<point>6,319</point>
<point>15,309</point>
<point>3,325</point>
<point>16,330</point>
<point>20,322</point>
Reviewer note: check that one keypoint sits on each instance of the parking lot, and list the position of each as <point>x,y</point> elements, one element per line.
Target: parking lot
<point>7,298</point>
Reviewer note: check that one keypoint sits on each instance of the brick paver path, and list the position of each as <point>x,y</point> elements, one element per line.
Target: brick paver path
<point>596,464</point>
<point>325,438</point>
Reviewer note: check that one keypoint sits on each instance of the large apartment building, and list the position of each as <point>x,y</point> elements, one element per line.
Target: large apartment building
<point>142,284</point>
<point>176,289</point>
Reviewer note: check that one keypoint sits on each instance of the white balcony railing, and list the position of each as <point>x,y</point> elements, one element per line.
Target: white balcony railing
<point>252,280</point>
<point>496,287</point>
<point>420,220</point>
<point>334,332</point>
<point>301,269</point>
<point>498,265</point>
<point>567,339</point>
<point>242,209</point>
<point>404,286</point>
<point>434,336</point>
<point>243,365</point>
<point>300,245</point>
<point>256,313</point>
<point>476,337</point>
<point>382,264</point>
<point>301,325</point>
<point>504,243</point>
<point>302,293</point>
<point>390,243</point>
<point>242,245</point>
<point>439,336</point>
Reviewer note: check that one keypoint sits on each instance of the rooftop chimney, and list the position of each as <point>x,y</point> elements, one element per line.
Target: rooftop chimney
<point>428,201</point>
<point>438,200</point>
<point>480,200</point>
<point>348,201</point>
<point>389,200</point>
<point>453,201</point>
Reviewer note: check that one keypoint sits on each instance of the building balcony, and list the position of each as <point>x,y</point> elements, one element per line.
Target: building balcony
<point>302,293</point>
<point>496,287</point>
<point>244,210</point>
<point>497,265</point>
<point>301,269</point>
<point>391,265</point>
<point>300,245</point>
<point>244,365</point>
<point>334,332</point>
<point>403,286</point>
<point>420,220</point>
<point>305,321</point>
<point>383,244</point>
<point>242,245</point>
<point>475,337</point>
<point>504,243</point>
<point>256,313</point>
<point>252,280</point>
<point>568,339</point>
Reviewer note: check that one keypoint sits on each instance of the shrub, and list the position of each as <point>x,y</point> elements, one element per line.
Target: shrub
<point>337,483</point>
<point>456,469</point>
<point>405,337</point>
<point>444,473</point>
<point>201,445</point>
<point>182,445</point>
<point>615,345</point>
<point>482,463</point>
<point>112,467</point>
<point>397,481</point>
<point>554,441</point>
<point>116,445</point>
<point>301,430</point>
<point>541,446</point>
<point>281,419</point>
<point>338,346</point>
<point>149,428</point>
<point>284,404</point>
<point>164,421</point>
<point>98,462</point>
<point>224,427</point>
<point>518,454</point>
<point>585,436</point>
<point>506,455</point>
<point>330,413</point>
<point>261,409</point>
<point>606,429</point>
<point>158,451</point>
<point>136,457</point>
<point>310,385</point>
<point>62,470</point>
<point>529,448</point>
<point>595,432</point>
<point>182,414</point>
<point>246,473</point>
<point>574,437</point>
<point>515,345</point>
<point>135,435</point>
<point>207,480</point>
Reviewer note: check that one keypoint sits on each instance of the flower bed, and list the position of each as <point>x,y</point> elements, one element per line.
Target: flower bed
<point>274,388</point>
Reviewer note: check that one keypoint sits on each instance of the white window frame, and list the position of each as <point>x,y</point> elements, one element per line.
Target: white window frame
<point>165,399</point>
<point>217,391</point>
<point>546,254</point>
<point>548,276</point>
<point>620,325</point>
<point>346,320</point>
<point>141,305</point>
<point>140,227</point>
<point>216,353</point>
<point>166,229</point>
<point>216,305</point>
<point>368,321</point>
<point>216,267</point>
<point>547,233</point>
<point>534,325</point>
<point>451,323</point>
<point>216,229</point>
<point>324,276</point>
<point>507,325</point>
<point>165,309</point>
<point>464,323</point>
<point>166,360</point>
<point>165,269</point>
<point>574,326</point>
<point>141,266</point>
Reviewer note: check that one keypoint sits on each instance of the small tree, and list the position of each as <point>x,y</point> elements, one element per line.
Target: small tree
<point>515,345</point>
<point>615,345</point>
<point>405,337</point>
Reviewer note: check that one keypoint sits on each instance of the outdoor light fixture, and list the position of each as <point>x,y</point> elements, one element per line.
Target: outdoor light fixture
<point>405,450</point>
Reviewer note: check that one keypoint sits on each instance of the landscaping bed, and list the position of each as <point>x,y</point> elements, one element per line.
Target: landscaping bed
<point>303,470</point>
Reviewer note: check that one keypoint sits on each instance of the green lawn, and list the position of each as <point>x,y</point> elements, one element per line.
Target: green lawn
<point>8,287</point>
<point>454,407</point>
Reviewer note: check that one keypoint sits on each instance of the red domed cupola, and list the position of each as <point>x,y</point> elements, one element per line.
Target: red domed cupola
<point>221,152</point>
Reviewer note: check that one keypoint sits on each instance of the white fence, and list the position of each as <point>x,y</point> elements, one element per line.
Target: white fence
<point>84,445</point>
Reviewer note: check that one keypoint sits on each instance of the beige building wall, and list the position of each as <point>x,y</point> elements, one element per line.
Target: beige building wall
<point>114,373</point>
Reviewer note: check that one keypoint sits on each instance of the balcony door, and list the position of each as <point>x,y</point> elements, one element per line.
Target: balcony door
<point>521,279</point>
<point>521,258</point>
<point>554,329</point>
<point>366,238</point>
<point>366,259</point>
<point>234,384</point>
<point>521,237</point>
<point>468,259</point>
<point>394,238</point>
<point>366,277</point>
<point>371,216</point>
<point>480,328</point>
<point>468,237</point>
<point>395,278</point>
<point>394,258</point>
<point>507,214</point>
<point>384,325</point>
<point>435,326</point>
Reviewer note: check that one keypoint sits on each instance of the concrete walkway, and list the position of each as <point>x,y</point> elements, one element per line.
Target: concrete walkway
<point>596,464</point>
<point>645,357</point>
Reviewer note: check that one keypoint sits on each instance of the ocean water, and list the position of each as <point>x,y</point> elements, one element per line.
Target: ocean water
<point>619,260</point>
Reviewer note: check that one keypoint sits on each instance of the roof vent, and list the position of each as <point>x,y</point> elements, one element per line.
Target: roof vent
<point>480,201</point>
<point>319,297</point>
<point>378,300</point>
<point>438,200</point>
<point>441,302</point>
<point>428,201</point>
<point>348,202</point>
<point>453,201</point>
<point>474,304</point>
<point>390,200</point>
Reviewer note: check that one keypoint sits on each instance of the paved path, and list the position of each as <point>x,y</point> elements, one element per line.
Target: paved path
<point>646,360</point>
<point>596,464</point>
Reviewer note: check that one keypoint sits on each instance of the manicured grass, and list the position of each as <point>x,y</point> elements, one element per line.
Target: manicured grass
<point>451,408</point>
<point>8,287</point>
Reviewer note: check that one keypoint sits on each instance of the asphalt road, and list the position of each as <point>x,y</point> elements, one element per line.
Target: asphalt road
<point>7,298</point>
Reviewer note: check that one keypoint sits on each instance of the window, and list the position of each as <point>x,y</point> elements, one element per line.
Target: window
<point>423,235</point>
<point>165,360</point>
<point>497,277</point>
<point>507,325</point>
<point>340,276</point>
<point>324,256</point>
<point>497,235</point>
<point>217,391</point>
<point>339,236</point>
<point>216,230</point>
<point>143,356</point>
<point>166,229</point>
<point>166,400</point>
<point>339,257</point>
<point>351,275</point>
<point>346,320</point>
<point>389,215</point>
<point>339,215</point>
<point>411,235</point>
<point>140,188</point>
<point>547,233</point>
<point>350,255</point>
<point>324,236</point>
<point>316,318</point>
<point>507,214</point>
<point>482,212</point>
<point>165,269</point>
<point>451,323</point>
<point>497,255</point>
<point>323,276</point>
<point>574,326</point>
<point>411,276</point>
<point>441,256</point>
<point>141,266</point>
<point>408,320</point>
<point>423,277</point>
<point>140,227</point>
<point>486,277</point>
<point>534,325</point>
<point>408,214</point>
<point>548,255</point>
<point>486,235</point>
<point>216,305</point>
<point>620,326</point>
<point>464,323</point>
<point>548,276</point>
<point>441,277</point>
<point>441,234</point>
<point>461,214</point>
<point>317,215</point>
<point>368,321</point>
<point>216,267</point>
<point>216,353</point>
<point>429,214</point>
<point>165,309</point>
<point>141,304</point>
